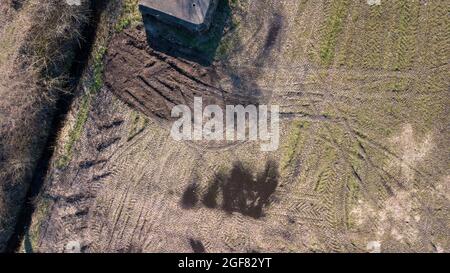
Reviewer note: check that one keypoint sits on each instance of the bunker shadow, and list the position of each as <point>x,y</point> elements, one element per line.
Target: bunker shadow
<point>181,43</point>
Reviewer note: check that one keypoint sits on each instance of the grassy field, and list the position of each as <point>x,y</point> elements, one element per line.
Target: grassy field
<point>363,92</point>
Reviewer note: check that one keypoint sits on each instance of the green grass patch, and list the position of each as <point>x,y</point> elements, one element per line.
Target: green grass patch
<point>229,42</point>
<point>294,143</point>
<point>326,173</point>
<point>33,233</point>
<point>406,40</point>
<point>333,27</point>
<point>232,39</point>
<point>130,15</point>
<point>83,112</point>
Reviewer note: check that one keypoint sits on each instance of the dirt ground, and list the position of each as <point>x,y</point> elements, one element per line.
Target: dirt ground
<point>156,85</point>
<point>363,161</point>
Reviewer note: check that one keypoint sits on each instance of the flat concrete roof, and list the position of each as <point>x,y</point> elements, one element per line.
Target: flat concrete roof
<point>190,11</point>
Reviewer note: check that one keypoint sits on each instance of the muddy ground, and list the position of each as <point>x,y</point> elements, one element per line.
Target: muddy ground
<point>154,82</point>
<point>363,161</point>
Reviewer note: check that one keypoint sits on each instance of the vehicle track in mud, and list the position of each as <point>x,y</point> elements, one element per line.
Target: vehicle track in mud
<point>154,82</point>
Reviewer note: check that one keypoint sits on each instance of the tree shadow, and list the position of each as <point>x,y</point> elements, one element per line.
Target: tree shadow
<point>190,197</point>
<point>241,192</point>
<point>197,246</point>
<point>28,246</point>
<point>180,43</point>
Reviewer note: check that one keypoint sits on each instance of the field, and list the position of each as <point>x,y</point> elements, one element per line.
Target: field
<point>363,161</point>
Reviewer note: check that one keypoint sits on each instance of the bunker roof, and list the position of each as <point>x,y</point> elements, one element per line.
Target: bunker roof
<point>189,12</point>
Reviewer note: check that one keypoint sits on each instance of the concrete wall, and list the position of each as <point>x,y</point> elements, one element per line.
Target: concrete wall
<point>181,13</point>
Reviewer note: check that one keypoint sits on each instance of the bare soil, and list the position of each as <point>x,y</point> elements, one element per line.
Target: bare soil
<point>155,82</point>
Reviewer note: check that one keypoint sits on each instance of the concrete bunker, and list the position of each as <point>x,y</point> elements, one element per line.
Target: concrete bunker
<point>193,15</point>
<point>191,29</point>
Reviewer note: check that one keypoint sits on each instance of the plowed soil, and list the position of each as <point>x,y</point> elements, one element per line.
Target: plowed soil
<point>154,82</point>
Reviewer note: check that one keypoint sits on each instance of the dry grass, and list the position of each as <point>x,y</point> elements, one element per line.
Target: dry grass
<point>37,42</point>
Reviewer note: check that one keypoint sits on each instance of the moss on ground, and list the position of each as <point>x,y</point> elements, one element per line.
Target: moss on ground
<point>130,15</point>
<point>84,108</point>
<point>33,233</point>
<point>333,27</point>
<point>137,124</point>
